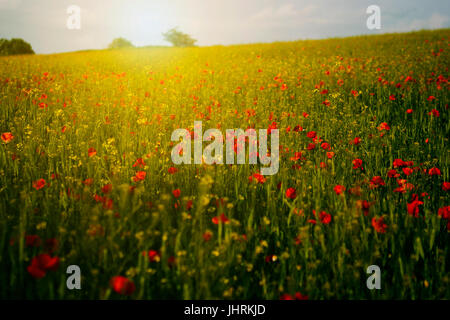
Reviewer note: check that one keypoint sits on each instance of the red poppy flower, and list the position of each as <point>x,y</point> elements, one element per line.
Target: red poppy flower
<point>384,126</point>
<point>272,126</point>
<point>140,175</point>
<point>413,206</point>
<point>311,134</point>
<point>36,272</point>
<point>299,296</point>
<point>122,285</point>
<point>339,189</point>
<point>434,171</point>
<point>172,170</point>
<point>446,186</point>
<point>92,152</point>
<point>379,225</point>
<point>107,188</point>
<point>403,186</point>
<point>434,112</point>
<point>41,264</point>
<point>376,182</point>
<point>311,146</point>
<point>207,235</point>
<point>356,141</point>
<point>297,156</point>
<point>399,163</point>
<point>88,181</point>
<point>325,146</point>
<point>330,155</point>
<point>324,217</point>
<point>407,171</point>
<point>357,164</point>
<point>259,178</point>
<point>220,219</point>
<point>153,255</point>
<point>291,193</point>
<point>393,173</point>
<point>107,202</point>
<point>444,212</point>
<point>39,184</point>
<point>139,163</point>
<point>176,193</point>
<point>7,137</point>
<point>189,204</point>
<point>286,296</point>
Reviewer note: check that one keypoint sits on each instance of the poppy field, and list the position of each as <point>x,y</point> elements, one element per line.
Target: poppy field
<point>86,176</point>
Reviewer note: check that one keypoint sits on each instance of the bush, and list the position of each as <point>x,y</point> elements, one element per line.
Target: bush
<point>14,46</point>
<point>120,43</point>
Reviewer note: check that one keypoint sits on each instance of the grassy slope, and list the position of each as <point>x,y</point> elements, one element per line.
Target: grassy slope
<point>125,104</point>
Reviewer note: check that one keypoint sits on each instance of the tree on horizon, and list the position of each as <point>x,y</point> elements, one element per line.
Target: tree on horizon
<point>178,38</point>
<point>14,46</point>
<point>119,43</point>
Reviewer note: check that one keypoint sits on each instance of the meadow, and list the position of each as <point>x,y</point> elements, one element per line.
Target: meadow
<point>86,176</point>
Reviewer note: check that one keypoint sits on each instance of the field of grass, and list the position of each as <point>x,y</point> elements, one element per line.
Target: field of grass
<point>86,176</point>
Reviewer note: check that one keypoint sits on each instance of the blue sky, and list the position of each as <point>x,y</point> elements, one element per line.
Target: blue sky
<point>43,22</point>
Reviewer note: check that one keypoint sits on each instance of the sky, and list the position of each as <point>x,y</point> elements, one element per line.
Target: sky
<point>43,23</point>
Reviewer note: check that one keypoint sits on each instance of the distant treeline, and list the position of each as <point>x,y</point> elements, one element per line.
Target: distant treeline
<point>14,46</point>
